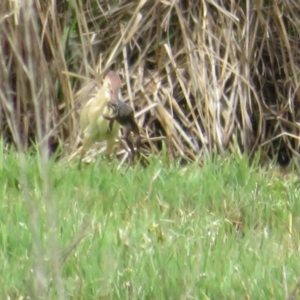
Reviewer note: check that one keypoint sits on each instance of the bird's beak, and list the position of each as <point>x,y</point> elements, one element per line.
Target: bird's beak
<point>113,105</point>
<point>115,94</point>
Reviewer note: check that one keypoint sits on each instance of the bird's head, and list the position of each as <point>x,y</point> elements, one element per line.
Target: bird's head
<point>113,83</point>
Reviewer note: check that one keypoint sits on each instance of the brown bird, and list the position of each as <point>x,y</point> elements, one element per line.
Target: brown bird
<point>94,126</point>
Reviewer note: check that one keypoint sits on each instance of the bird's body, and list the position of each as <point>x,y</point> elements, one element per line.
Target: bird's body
<point>94,126</point>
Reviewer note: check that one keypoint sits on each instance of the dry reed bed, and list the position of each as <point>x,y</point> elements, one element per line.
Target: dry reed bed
<point>207,75</point>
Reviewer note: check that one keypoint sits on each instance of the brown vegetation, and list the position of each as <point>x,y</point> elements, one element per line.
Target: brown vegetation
<point>206,75</point>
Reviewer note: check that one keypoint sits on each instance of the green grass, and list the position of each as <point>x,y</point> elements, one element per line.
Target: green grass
<point>216,232</point>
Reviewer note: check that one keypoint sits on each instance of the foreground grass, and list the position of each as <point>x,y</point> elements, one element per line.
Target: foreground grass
<point>223,231</point>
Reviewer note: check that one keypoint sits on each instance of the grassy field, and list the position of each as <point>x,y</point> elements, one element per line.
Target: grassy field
<point>222,231</point>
